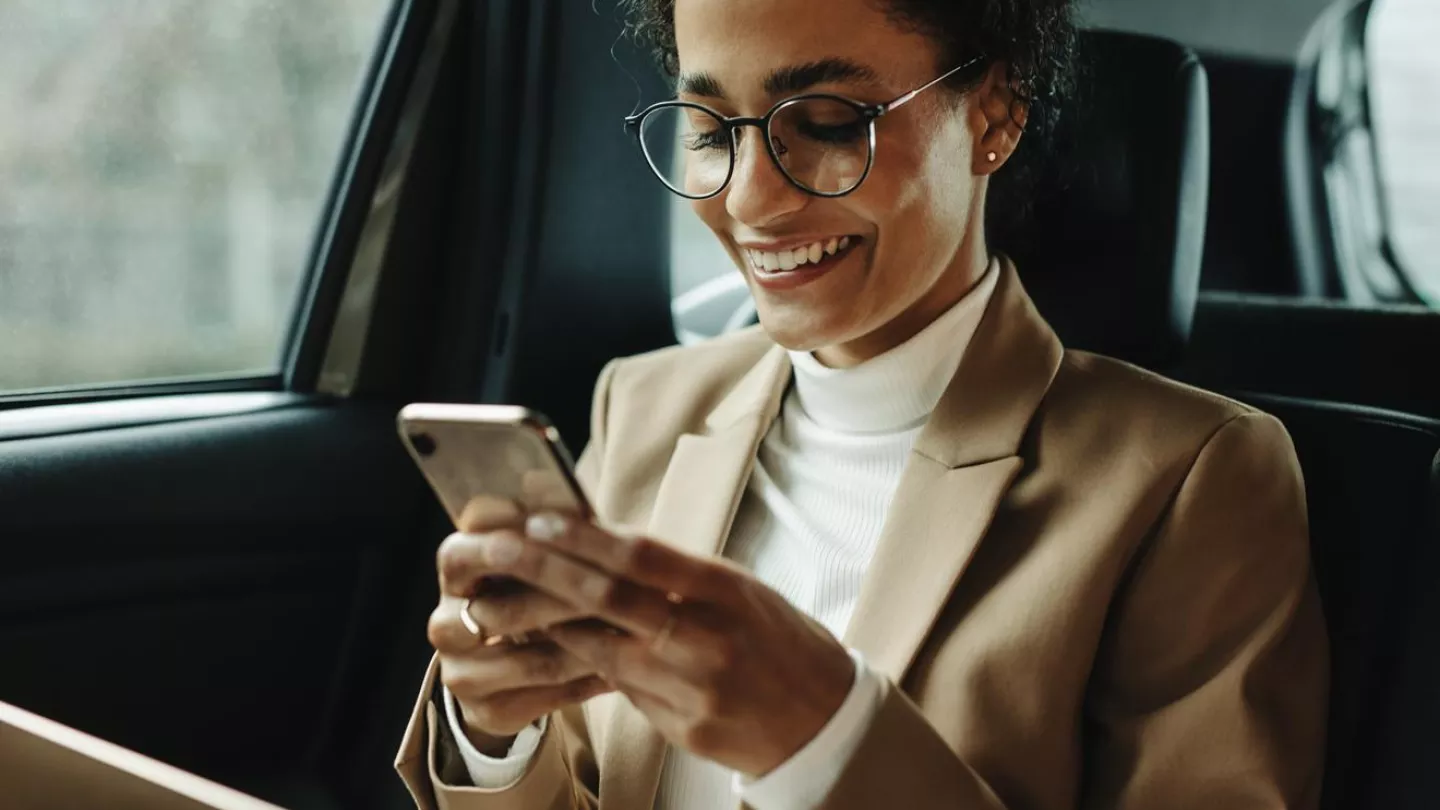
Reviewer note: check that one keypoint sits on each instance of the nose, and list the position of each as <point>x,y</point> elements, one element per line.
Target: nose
<point>759,194</point>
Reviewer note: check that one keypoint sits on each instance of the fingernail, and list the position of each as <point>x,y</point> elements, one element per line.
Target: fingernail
<point>597,589</point>
<point>502,549</point>
<point>544,526</point>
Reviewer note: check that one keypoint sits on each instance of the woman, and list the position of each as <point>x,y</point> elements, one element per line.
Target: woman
<point>899,546</point>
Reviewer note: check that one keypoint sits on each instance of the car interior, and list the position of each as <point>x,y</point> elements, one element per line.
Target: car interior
<point>231,570</point>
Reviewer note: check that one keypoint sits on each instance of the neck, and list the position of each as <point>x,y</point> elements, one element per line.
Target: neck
<point>958,279</point>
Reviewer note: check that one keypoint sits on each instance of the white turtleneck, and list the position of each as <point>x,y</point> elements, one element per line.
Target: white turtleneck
<point>808,526</point>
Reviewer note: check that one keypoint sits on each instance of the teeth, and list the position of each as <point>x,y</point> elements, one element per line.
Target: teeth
<point>787,260</point>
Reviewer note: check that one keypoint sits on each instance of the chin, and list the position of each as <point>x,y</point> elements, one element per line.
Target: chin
<point>800,332</point>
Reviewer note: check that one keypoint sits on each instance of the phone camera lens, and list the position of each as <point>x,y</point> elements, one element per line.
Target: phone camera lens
<point>423,444</point>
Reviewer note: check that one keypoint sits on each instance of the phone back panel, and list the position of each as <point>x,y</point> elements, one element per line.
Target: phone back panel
<point>486,451</point>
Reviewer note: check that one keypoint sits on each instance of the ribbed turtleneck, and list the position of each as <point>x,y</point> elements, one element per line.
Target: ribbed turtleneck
<point>898,389</point>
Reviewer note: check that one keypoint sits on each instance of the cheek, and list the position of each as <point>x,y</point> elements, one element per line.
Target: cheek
<point>711,211</point>
<point>947,163</point>
<point>938,197</point>
<point>912,206</point>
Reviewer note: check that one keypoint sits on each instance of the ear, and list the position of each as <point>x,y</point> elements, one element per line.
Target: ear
<point>999,122</point>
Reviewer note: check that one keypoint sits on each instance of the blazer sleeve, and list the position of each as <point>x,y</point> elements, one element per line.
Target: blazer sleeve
<point>1210,685</point>
<point>562,774</point>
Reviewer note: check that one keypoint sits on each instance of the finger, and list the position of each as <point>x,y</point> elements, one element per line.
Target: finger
<point>652,684</point>
<point>625,604</point>
<point>507,713</point>
<point>623,660</point>
<point>526,611</point>
<point>484,513</point>
<point>638,559</point>
<point>670,722</point>
<point>466,571</point>
<point>449,635</point>
<point>481,672</point>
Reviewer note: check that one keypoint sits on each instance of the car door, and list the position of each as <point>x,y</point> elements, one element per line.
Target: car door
<point>215,550</point>
<point>206,524</point>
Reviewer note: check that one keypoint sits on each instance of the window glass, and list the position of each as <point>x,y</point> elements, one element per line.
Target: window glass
<point>1403,47</point>
<point>163,168</point>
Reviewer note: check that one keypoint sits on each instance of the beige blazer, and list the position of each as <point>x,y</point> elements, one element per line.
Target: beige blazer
<point>1092,590</point>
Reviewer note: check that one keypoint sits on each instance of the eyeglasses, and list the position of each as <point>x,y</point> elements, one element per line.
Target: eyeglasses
<point>824,144</point>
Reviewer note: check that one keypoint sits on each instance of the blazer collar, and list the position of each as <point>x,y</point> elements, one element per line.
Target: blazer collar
<point>757,395</point>
<point>1005,373</point>
<point>963,464</point>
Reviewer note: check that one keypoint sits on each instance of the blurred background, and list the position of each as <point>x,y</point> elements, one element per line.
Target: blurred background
<point>163,167</point>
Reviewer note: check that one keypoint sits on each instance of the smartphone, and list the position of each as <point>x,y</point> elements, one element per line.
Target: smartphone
<point>467,452</point>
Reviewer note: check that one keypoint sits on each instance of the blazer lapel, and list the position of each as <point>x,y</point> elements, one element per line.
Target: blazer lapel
<point>963,463</point>
<point>934,525</point>
<point>695,505</point>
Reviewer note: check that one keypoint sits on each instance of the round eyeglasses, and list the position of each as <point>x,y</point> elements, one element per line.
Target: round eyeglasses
<point>823,144</point>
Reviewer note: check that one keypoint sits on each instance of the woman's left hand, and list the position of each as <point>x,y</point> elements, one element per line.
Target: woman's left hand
<point>721,664</point>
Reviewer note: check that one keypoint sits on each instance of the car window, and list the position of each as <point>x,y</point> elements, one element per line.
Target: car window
<point>163,168</point>
<point>1405,110</point>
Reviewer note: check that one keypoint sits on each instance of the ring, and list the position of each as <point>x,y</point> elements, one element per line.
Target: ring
<point>469,621</point>
<point>478,631</point>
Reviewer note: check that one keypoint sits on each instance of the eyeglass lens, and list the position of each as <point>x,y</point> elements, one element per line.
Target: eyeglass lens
<point>822,145</point>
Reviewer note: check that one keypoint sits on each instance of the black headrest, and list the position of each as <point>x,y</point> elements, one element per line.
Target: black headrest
<point>1112,246</point>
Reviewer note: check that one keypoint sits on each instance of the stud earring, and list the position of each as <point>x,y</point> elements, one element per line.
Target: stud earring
<point>992,157</point>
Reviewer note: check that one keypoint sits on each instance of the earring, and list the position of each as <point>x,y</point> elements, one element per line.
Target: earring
<point>991,156</point>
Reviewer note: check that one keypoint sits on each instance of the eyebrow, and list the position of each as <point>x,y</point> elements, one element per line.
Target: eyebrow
<point>785,80</point>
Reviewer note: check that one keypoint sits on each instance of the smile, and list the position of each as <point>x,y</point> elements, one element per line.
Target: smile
<point>785,261</point>
<point>778,270</point>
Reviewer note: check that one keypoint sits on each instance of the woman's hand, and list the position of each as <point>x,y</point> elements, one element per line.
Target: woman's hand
<point>500,687</point>
<point>721,664</point>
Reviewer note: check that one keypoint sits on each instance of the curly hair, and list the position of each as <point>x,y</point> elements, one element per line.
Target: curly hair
<point>1035,39</point>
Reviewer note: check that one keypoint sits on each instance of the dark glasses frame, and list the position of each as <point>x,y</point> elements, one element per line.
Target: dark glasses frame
<point>868,113</point>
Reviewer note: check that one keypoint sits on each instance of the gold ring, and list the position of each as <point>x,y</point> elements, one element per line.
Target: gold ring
<point>469,621</point>
<point>478,631</point>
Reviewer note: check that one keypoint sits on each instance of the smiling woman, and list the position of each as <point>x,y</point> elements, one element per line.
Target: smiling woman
<point>1032,70</point>
<point>903,548</point>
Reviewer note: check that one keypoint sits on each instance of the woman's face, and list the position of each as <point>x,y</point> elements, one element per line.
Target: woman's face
<point>914,225</point>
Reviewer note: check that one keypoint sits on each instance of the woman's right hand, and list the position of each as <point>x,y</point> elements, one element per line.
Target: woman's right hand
<point>503,687</point>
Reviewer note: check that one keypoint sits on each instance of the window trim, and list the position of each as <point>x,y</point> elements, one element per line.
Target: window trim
<point>113,392</point>
<point>37,420</point>
<point>342,353</point>
<point>356,178</point>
